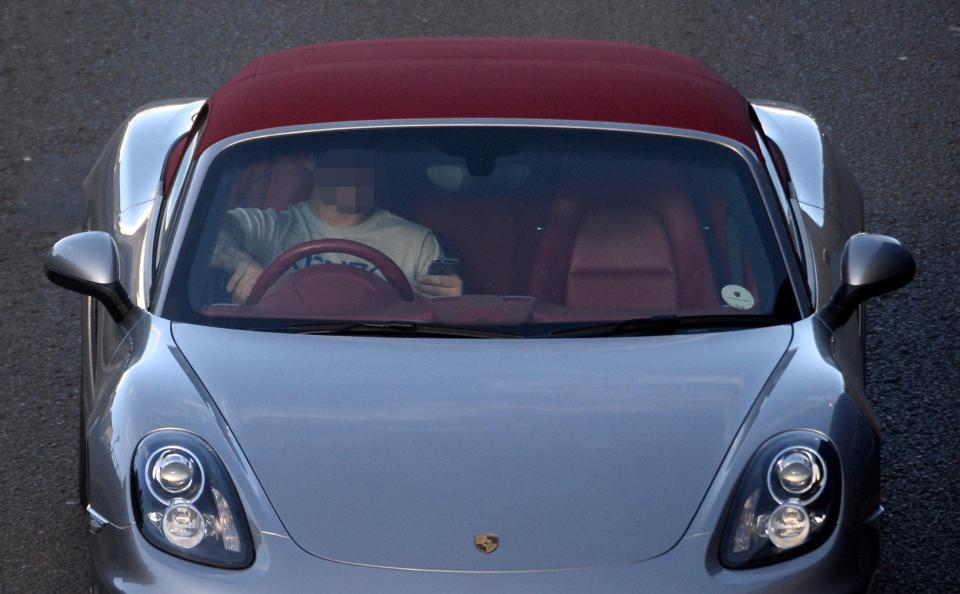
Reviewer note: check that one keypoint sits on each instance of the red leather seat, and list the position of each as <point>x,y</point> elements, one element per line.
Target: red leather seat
<point>647,253</point>
<point>621,257</point>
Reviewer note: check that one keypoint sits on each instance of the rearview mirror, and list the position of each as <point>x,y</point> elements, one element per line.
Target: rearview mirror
<point>88,263</point>
<point>872,265</point>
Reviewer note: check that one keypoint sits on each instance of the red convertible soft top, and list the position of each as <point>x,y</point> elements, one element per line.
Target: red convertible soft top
<point>478,77</point>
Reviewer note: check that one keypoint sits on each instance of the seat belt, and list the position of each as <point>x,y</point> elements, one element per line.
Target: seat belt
<point>720,273</point>
<point>737,274</point>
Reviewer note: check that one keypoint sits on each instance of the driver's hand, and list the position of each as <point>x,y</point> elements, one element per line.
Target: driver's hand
<point>440,285</point>
<point>243,279</point>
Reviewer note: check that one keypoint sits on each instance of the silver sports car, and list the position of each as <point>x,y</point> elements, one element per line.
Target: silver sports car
<point>477,315</point>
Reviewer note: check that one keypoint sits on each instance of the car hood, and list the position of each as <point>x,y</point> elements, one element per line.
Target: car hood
<point>399,451</point>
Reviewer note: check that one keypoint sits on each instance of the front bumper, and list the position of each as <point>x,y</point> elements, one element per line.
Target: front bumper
<point>125,562</point>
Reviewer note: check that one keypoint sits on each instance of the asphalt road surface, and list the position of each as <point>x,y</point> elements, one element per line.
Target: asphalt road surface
<point>883,76</point>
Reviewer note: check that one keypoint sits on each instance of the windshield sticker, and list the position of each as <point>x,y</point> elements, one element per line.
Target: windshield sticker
<point>737,297</point>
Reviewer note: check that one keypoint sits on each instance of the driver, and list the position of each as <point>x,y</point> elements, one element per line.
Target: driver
<point>340,207</point>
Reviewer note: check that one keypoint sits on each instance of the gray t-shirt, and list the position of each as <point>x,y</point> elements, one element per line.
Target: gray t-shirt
<point>264,234</point>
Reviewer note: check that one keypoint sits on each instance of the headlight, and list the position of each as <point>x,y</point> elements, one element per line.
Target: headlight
<point>786,503</point>
<point>186,504</point>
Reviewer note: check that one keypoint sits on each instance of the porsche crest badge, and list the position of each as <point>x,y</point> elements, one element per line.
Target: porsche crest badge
<point>486,542</point>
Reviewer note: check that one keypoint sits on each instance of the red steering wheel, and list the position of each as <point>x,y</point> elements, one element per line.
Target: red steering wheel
<point>395,277</point>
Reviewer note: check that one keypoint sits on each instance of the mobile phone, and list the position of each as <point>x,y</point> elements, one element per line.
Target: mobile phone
<point>444,266</point>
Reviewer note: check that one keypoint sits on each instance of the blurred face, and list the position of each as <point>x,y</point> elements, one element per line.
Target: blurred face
<point>350,188</point>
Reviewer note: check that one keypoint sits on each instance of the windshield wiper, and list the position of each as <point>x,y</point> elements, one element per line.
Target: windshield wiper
<point>666,325</point>
<point>392,328</point>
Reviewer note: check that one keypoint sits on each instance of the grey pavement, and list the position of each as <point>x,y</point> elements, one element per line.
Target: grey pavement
<point>883,76</point>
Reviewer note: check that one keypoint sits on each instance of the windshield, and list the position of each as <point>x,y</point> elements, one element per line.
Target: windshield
<point>525,231</point>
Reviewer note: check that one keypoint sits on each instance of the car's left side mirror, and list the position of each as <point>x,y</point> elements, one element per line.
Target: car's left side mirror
<point>88,263</point>
<point>871,265</point>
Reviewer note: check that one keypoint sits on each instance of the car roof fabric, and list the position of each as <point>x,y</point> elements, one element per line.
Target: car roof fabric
<point>480,78</point>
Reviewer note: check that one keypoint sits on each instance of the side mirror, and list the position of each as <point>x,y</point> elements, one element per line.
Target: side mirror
<point>88,263</point>
<point>872,265</point>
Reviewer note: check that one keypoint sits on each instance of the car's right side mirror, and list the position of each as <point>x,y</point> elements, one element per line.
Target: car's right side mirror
<point>872,265</point>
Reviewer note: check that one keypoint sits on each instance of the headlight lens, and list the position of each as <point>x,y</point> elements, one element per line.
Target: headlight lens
<point>787,501</point>
<point>186,502</point>
<point>183,525</point>
<point>175,471</point>
<point>788,525</point>
<point>797,472</point>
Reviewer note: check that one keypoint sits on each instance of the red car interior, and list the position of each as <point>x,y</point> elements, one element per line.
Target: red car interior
<point>646,247</point>
<point>644,240</point>
<point>654,248</point>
